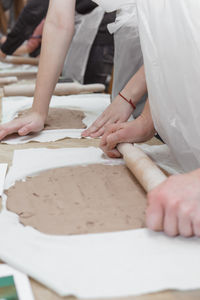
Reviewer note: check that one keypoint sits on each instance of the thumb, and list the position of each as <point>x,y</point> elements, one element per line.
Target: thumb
<point>25,130</point>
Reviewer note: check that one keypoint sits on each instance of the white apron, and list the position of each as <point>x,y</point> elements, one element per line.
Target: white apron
<point>170,38</point>
<point>128,55</point>
<point>86,28</point>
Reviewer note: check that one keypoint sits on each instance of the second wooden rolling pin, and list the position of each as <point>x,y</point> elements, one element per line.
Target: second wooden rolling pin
<point>60,90</point>
<point>142,167</point>
<point>21,60</point>
<point>8,80</point>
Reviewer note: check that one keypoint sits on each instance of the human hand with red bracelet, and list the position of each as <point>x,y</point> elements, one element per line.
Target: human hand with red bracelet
<point>122,106</point>
<point>136,131</point>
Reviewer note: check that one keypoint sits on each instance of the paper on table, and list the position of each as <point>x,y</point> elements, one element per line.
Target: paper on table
<point>5,67</point>
<point>101,265</point>
<point>3,169</point>
<point>94,265</point>
<point>92,105</point>
<point>21,281</point>
<point>31,161</point>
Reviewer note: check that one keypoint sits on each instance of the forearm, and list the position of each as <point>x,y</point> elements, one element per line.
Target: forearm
<point>31,16</point>
<point>147,121</point>
<point>136,88</point>
<point>53,54</point>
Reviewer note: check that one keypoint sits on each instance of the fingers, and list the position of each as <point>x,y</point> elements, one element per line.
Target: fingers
<point>172,215</point>
<point>110,139</point>
<point>9,128</point>
<point>170,225</point>
<point>25,130</point>
<point>22,125</point>
<point>95,127</point>
<point>196,224</point>
<point>154,214</point>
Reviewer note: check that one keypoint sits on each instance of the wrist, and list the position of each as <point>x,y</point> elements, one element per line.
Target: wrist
<point>41,114</point>
<point>147,125</point>
<point>127,99</point>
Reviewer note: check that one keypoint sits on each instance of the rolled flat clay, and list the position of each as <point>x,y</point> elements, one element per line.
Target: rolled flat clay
<point>60,90</point>
<point>62,118</point>
<point>79,200</point>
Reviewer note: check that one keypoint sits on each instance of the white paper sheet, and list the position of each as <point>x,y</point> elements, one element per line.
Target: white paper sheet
<point>95,265</point>
<point>92,105</point>
<point>22,283</point>
<point>101,265</point>
<point>3,169</point>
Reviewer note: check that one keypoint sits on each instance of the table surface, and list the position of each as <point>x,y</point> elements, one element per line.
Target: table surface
<point>41,292</point>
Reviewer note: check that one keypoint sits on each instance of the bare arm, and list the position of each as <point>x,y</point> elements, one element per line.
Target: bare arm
<point>119,110</point>
<point>57,36</point>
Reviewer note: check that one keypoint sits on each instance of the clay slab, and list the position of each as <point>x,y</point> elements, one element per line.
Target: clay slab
<point>92,105</point>
<point>90,265</point>
<point>79,200</point>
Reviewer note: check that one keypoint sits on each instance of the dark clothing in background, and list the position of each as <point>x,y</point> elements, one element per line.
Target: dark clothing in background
<point>31,16</point>
<point>7,4</point>
<point>100,62</point>
<point>85,6</point>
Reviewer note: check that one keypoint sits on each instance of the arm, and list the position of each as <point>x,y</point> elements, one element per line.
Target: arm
<point>136,131</point>
<point>31,16</point>
<point>33,42</point>
<point>119,110</point>
<point>59,24</point>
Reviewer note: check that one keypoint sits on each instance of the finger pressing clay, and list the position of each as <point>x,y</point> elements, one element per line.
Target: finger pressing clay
<point>79,200</point>
<point>62,118</point>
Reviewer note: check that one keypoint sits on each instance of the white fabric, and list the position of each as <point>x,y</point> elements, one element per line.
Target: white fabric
<point>126,12</point>
<point>92,105</point>
<point>170,39</point>
<point>86,28</point>
<point>101,265</point>
<point>94,265</point>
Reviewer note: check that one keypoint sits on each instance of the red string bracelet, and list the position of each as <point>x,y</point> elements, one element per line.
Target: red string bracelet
<point>129,101</point>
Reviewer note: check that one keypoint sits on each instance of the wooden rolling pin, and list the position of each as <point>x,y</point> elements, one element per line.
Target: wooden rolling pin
<point>142,167</point>
<point>19,60</point>
<point>8,80</point>
<point>60,90</point>
<point>18,74</point>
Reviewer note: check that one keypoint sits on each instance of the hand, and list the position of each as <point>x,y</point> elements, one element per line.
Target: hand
<point>29,122</point>
<point>2,55</point>
<point>135,131</point>
<point>174,206</point>
<point>3,39</point>
<point>118,111</point>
